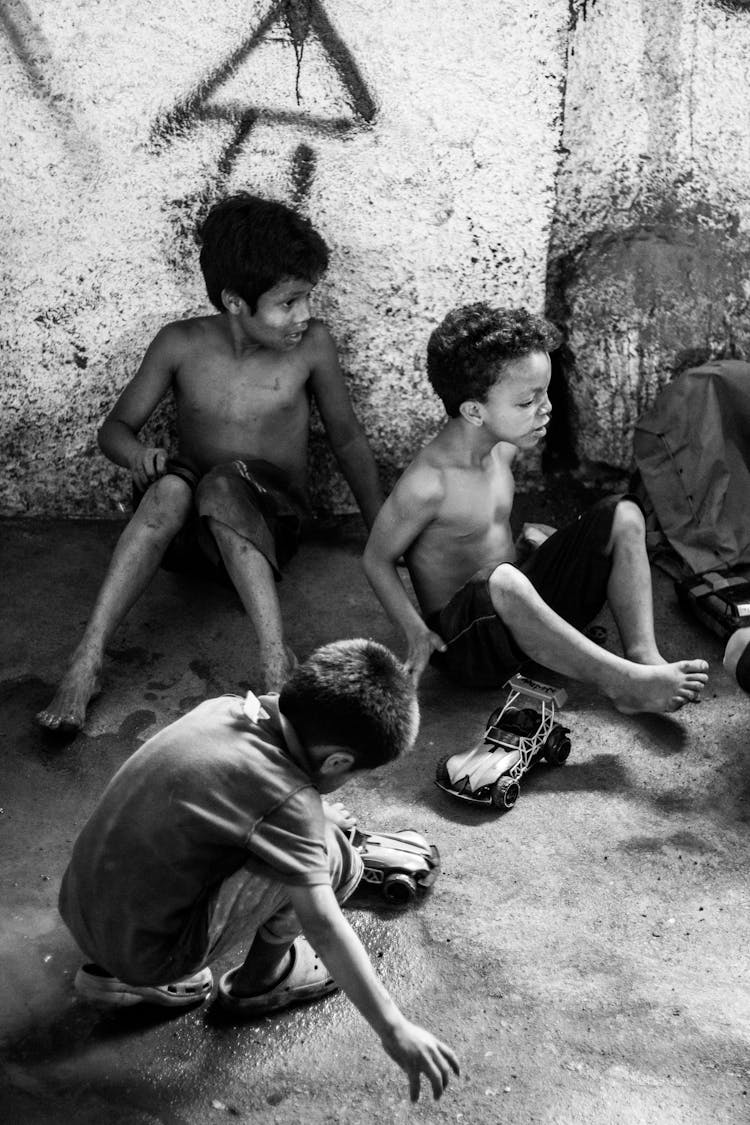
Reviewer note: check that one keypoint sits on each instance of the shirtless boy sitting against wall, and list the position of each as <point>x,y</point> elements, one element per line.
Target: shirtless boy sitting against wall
<point>484,614</point>
<point>232,499</point>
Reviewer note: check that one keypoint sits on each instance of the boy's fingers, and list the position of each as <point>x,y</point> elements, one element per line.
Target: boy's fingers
<point>414,1083</point>
<point>438,642</point>
<point>438,1075</point>
<point>451,1057</point>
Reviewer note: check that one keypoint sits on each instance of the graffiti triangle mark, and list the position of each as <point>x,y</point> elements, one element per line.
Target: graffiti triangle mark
<point>236,90</point>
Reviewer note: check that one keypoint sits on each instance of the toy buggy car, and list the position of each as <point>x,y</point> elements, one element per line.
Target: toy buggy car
<point>720,601</point>
<point>518,735</point>
<point>396,863</point>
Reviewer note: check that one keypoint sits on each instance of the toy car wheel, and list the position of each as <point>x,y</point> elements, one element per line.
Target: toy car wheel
<point>441,772</point>
<point>399,889</point>
<point>557,747</point>
<point>505,792</point>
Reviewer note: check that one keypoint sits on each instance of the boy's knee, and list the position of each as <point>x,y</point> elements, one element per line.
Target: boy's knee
<point>507,585</point>
<point>628,519</point>
<point>166,505</point>
<point>215,486</point>
<point>344,862</point>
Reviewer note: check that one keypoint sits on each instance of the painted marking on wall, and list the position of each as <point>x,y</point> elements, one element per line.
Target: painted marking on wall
<point>287,21</point>
<point>34,54</point>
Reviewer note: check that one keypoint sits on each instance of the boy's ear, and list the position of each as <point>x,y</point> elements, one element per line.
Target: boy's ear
<point>472,412</point>
<point>230,301</point>
<point>337,762</point>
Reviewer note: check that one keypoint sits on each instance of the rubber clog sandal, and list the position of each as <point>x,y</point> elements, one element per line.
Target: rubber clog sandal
<point>306,979</point>
<point>107,991</point>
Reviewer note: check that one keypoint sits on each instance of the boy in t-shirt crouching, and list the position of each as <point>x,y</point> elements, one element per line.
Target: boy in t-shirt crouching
<point>213,833</point>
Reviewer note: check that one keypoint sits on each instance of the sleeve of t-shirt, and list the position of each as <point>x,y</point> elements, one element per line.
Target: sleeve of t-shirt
<point>289,843</point>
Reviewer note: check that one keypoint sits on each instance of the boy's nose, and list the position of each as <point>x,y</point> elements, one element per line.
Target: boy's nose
<point>302,311</point>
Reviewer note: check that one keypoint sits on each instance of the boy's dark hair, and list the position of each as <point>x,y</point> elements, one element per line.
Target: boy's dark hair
<point>465,352</point>
<point>353,693</point>
<point>249,244</point>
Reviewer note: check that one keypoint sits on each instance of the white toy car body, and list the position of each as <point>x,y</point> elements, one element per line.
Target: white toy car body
<point>518,735</point>
<point>396,863</point>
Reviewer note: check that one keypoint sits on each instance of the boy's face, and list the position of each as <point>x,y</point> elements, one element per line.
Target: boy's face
<point>517,409</point>
<point>281,316</point>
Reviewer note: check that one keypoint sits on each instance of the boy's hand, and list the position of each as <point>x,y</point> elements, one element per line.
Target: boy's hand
<point>147,466</point>
<point>422,644</point>
<point>337,813</point>
<point>532,536</point>
<point>418,1052</point>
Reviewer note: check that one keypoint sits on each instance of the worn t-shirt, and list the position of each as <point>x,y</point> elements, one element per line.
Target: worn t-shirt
<point>214,791</point>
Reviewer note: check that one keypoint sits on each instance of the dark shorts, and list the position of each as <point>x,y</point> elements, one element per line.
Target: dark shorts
<point>253,498</point>
<point>570,572</point>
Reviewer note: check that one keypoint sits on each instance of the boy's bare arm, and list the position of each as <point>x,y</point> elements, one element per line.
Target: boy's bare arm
<point>415,1050</point>
<point>118,434</point>
<point>405,514</point>
<point>347,438</point>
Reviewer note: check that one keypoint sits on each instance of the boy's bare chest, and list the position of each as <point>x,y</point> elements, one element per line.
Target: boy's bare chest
<point>242,394</point>
<point>477,501</point>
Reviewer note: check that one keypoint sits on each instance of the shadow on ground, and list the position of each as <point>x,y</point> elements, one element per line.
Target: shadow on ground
<point>586,953</point>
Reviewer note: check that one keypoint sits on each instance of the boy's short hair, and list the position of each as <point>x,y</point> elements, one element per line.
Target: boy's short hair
<point>353,693</point>
<point>466,351</point>
<point>249,244</point>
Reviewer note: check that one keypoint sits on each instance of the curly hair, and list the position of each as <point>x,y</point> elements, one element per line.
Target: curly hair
<point>466,351</point>
<point>353,693</point>
<point>249,245</point>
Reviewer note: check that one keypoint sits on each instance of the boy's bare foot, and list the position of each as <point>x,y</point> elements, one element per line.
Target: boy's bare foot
<point>658,688</point>
<point>66,713</point>
<point>644,654</point>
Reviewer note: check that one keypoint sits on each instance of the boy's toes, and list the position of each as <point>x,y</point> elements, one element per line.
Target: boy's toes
<point>59,724</point>
<point>47,719</point>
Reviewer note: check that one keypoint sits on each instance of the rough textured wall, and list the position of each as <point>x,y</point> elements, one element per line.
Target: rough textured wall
<point>420,137</point>
<point>650,254</point>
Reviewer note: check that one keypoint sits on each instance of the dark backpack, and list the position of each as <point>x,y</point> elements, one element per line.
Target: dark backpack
<point>692,450</point>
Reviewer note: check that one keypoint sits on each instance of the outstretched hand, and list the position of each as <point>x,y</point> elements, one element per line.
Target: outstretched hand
<point>418,1052</point>
<point>147,466</point>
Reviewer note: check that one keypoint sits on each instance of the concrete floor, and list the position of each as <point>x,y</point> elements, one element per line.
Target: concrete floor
<point>585,953</point>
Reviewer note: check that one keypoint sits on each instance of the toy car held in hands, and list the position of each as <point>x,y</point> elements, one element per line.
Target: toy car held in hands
<point>396,863</point>
<point>518,735</point>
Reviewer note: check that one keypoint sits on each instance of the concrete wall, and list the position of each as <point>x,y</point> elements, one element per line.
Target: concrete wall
<point>650,249</point>
<point>594,152</point>
<point>421,137</point>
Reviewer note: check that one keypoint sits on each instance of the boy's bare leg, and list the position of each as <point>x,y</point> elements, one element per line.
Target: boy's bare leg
<point>629,591</point>
<point>135,560</point>
<point>551,641</point>
<point>254,581</point>
<point>734,650</point>
<point>265,965</point>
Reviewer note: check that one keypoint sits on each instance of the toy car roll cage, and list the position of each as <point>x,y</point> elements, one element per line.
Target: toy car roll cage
<point>527,743</point>
<point>515,739</point>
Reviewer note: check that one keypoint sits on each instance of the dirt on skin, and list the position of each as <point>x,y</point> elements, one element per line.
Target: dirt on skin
<point>585,953</point>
